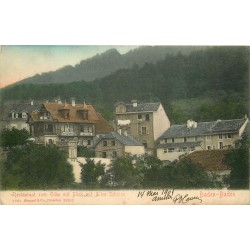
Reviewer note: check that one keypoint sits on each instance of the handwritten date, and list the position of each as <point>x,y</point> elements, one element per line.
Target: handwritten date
<point>169,194</point>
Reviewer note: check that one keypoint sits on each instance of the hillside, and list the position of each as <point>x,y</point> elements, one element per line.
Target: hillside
<point>207,85</point>
<point>107,63</point>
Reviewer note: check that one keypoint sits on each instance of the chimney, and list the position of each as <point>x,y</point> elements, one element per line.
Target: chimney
<point>189,123</point>
<point>134,102</point>
<point>32,102</point>
<point>59,101</point>
<point>47,101</point>
<point>126,133</point>
<point>73,102</point>
<point>119,131</point>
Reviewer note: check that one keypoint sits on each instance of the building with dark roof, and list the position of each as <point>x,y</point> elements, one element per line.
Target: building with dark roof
<point>144,121</point>
<point>16,115</point>
<point>185,138</point>
<point>116,144</point>
<point>59,121</point>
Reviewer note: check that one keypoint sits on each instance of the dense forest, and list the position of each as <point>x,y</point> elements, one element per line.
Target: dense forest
<point>203,85</point>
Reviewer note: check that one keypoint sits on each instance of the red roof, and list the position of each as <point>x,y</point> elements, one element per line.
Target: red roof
<point>210,160</point>
<point>75,115</point>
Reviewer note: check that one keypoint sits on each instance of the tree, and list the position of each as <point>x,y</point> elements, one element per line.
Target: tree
<point>149,172</point>
<point>238,160</point>
<point>151,169</point>
<point>36,167</point>
<point>91,173</point>
<point>13,137</point>
<point>83,151</point>
<point>123,173</point>
<point>185,174</point>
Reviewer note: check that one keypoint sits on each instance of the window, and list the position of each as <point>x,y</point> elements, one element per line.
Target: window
<point>208,147</point>
<point>229,136</point>
<point>145,144</point>
<point>185,149</point>
<point>143,130</point>
<point>104,154</point>
<point>85,115</point>
<point>114,154</point>
<point>170,150</point>
<point>196,138</point>
<point>172,139</point>
<point>112,143</point>
<point>139,116</point>
<point>105,144</point>
<point>147,117</point>
<point>165,150</point>
<point>208,138</point>
<point>24,115</point>
<point>220,145</point>
<point>220,136</point>
<point>185,139</point>
<point>166,140</point>
<point>89,142</point>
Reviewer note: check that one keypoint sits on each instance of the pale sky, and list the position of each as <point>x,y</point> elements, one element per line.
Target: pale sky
<point>21,61</point>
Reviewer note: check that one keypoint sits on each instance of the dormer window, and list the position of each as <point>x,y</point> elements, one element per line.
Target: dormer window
<point>120,108</point>
<point>24,115</point>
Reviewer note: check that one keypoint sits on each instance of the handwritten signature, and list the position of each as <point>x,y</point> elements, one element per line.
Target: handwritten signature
<point>168,194</point>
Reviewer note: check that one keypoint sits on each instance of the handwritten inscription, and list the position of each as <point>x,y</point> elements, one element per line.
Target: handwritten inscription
<point>169,194</point>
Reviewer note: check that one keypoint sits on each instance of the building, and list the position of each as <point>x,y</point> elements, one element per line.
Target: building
<point>183,139</point>
<point>116,144</point>
<point>212,161</point>
<point>143,121</point>
<point>16,115</point>
<point>61,122</point>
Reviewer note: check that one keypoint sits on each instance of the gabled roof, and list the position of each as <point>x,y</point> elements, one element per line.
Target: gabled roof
<point>179,144</point>
<point>142,107</point>
<point>102,126</point>
<point>126,140</point>
<point>204,128</point>
<point>210,160</point>
<point>75,115</point>
<point>19,108</point>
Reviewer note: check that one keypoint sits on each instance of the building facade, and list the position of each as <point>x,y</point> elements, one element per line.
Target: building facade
<point>16,115</point>
<point>62,122</point>
<point>183,139</point>
<point>143,121</point>
<point>116,144</point>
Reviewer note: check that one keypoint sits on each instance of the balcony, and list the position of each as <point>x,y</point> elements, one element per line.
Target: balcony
<point>68,133</point>
<point>86,134</point>
<point>45,118</point>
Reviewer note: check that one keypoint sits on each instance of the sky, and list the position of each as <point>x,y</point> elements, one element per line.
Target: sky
<point>19,62</point>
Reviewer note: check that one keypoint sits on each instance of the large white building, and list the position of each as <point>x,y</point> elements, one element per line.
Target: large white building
<point>183,139</point>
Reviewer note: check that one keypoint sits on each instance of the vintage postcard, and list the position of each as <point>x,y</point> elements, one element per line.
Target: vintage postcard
<point>124,125</point>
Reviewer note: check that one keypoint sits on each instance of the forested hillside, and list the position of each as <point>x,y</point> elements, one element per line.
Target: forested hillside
<point>204,85</point>
<point>108,62</point>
